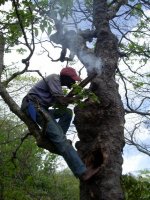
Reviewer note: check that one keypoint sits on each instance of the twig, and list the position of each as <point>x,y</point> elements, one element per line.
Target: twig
<point>14,153</point>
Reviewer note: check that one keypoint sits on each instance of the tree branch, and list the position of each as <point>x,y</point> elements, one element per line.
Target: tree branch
<point>131,110</point>
<point>140,147</point>
<point>14,153</point>
<point>114,8</point>
<point>26,60</point>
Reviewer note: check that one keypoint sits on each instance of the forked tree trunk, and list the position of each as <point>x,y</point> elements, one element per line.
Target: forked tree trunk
<point>101,126</point>
<point>100,129</point>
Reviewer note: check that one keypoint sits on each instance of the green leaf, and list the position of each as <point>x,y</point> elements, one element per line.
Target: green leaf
<point>138,85</point>
<point>139,6</point>
<point>2,2</point>
<point>43,25</point>
<point>49,29</point>
<point>21,50</point>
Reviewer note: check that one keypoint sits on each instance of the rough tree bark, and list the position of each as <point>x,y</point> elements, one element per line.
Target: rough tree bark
<point>100,127</point>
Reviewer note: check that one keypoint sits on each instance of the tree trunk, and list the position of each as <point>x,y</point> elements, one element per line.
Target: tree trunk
<point>101,126</point>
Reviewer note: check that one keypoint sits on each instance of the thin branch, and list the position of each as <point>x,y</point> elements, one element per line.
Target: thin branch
<point>131,110</point>
<point>86,14</point>
<point>14,153</point>
<point>21,24</point>
<point>138,9</point>
<point>142,148</point>
<point>146,2</point>
<point>137,112</point>
<point>115,7</point>
<point>26,60</point>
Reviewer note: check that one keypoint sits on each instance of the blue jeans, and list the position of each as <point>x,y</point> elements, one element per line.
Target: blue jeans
<point>55,132</point>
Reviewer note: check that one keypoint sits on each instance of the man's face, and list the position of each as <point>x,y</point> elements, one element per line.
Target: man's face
<point>69,83</point>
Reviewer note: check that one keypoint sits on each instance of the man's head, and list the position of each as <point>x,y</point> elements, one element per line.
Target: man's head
<point>68,77</point>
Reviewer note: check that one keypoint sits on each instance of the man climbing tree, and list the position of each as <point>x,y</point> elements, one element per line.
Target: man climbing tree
<point>97,23</point>
<point>36,103</point>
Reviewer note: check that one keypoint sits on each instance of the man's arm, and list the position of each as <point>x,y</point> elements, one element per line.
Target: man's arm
<point>65,100</point>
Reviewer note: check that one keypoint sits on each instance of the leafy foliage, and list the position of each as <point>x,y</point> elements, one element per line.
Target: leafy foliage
<point>83,94</point>
<point>22,173</point>
<point>137,187</point>
<point>31,173</point>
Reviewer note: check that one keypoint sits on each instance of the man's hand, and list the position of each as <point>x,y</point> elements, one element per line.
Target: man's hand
<point>66,100</point>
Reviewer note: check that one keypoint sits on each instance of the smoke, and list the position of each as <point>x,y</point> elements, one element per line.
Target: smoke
<point>76,43</point>
<point>92,63</point>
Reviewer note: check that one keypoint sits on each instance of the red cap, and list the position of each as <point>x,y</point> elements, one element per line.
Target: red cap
<point>69,71</point>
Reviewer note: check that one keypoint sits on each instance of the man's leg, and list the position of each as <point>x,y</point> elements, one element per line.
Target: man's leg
<point>64,115</point>
<point>55,134</point>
